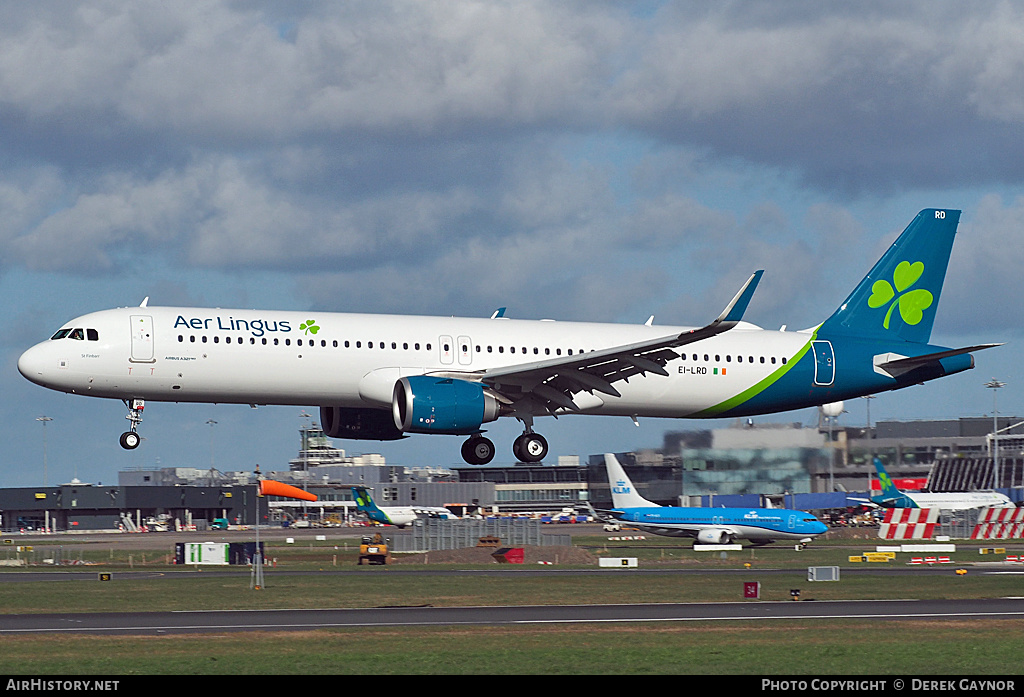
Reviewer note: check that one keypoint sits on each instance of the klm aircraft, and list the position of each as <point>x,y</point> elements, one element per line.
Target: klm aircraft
<point>891,497</point>
<point>707,525</point>
<point>383,377</point>
<point>399,516</point>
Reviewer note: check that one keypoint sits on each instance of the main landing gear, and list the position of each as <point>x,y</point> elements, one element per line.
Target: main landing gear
<point>530,447</point>
<point>478,450</point>
<point>130,439</point>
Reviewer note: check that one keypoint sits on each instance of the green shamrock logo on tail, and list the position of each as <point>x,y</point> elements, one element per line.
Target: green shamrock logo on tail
<point>310,326</point>
<point>912,303</point>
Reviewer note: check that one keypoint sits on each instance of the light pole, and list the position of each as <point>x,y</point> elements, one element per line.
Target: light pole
<point>45,420</point>
<point>871,444</point>
<point>305,455</point>
<point>212,423</point>
<point>994,385</point>
<point>831,412</point>
<point>256,580</point>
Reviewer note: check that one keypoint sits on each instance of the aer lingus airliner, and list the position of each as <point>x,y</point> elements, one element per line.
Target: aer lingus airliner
<point>394,515</point>
<point>891,497</point>
<point>381,377</point>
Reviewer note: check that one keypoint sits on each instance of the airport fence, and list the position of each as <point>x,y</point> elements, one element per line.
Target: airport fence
<point>957,525</point>
<point>432,535</point>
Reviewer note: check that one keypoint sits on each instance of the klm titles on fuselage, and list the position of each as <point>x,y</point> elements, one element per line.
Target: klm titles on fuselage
<point>257,327</point>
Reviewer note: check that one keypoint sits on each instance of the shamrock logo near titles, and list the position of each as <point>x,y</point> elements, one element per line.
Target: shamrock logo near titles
<point>309,326</point>
<point>912,303</point>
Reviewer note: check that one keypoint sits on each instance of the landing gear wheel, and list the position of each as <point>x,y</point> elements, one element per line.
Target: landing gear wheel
<point>530,447</point>
<point>478,450</point>
<point>130,440</point>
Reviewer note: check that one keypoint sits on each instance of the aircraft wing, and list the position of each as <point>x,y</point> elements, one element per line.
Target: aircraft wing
<point>551,384</point>
<point>432,512</point>
<point>864,502</point>
<point>676,530</point>
<point>605,514</point>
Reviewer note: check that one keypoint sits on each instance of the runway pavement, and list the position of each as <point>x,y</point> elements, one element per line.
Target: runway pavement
<point>278,620</point>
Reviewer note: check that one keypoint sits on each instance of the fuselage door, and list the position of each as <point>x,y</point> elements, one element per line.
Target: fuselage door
<point>824,363</point>
<point>142,339</point>
<point>447,348</point>
<point>465,350</point>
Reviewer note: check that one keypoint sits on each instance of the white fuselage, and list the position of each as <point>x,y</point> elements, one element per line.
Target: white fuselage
<point>316,358</point>
<point>953,501</point>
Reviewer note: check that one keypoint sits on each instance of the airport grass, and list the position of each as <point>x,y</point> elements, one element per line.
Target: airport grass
<point>341,553</point>
<point>329,577</point>
<point>798,647</point>
<point>384,587</point>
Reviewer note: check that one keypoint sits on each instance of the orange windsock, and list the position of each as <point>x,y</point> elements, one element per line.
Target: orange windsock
<point>268,487</point>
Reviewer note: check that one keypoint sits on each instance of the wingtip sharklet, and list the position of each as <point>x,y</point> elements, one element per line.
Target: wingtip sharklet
<point>734,311</point>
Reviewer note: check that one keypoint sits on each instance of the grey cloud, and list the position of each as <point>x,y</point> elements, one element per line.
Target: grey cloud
<point>672,221</point>
<point>982,290</point>
<point>891,97</point>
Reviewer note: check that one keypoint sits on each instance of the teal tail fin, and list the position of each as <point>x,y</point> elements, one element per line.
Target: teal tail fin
<point>889,489</point>
<point>899,296</point>
<point>364,502</point>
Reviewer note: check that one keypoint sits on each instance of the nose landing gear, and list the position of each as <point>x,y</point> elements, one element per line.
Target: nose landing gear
<point>130,439</point>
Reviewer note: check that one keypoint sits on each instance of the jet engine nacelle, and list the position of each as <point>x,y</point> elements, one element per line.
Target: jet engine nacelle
<point>714,536</point>
<point>358,424</point>
<point>423,404</point>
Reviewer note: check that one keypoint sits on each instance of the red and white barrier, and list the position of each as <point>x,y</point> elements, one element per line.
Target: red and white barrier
<point>909,524</point>
<point>999,524</point>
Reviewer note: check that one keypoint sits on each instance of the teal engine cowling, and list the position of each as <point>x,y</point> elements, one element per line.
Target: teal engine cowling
<point>424,404</point>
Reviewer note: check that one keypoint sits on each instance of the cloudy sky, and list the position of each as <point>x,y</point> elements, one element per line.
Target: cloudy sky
<point>599,161</point>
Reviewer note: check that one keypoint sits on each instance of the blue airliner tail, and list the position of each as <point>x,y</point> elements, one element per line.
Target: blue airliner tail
<point>899,296</point>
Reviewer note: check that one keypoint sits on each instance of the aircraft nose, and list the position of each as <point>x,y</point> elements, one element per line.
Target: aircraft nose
<point>32,364</point>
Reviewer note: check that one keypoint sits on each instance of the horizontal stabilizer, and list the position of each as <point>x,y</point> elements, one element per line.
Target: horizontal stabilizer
<point>895,365</point>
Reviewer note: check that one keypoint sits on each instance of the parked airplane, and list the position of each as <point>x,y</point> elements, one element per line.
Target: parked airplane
<point>891,497</point>
<point>394,515</point>
<point>707,525</point>
<point>381,377</point>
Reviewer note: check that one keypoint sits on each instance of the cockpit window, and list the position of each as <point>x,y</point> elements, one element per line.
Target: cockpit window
<point>77,333</point>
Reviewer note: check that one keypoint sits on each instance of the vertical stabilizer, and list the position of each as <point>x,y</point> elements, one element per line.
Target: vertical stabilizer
<point>365,504</point>
<point>889,489</point>
<point>899,296</point>
<point>890,496</point>
<point>623,493</point>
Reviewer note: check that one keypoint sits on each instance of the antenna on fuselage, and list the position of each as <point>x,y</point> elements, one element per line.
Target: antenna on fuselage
<point>145,302</point>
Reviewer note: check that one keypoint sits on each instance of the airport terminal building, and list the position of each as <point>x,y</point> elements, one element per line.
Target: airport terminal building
<point>748,465</point>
